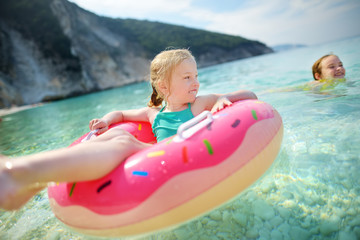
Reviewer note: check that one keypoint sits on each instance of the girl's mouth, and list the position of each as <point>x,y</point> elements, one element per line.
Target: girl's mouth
<point>339,75</point>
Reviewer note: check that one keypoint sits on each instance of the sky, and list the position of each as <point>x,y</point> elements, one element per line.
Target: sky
<point>273,22</point>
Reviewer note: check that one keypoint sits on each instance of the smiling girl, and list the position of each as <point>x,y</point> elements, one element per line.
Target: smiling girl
<point>327,71</point>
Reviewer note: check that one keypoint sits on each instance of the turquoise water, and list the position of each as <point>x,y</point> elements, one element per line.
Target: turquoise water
<point>311,192</point>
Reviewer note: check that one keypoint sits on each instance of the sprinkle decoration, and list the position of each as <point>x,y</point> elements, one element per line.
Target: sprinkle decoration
<point>185,155</point>
<point>103,186</point>
<point>140,173</point>
<point>236,123</point>
<point>253,112</point>
<point>156,154</point>
<point>208,146</point>
<point>72,189</point>
<point>139,127</point>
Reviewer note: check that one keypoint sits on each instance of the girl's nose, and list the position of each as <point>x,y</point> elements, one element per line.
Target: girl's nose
<point>196,82</point>
<point>197,79</point>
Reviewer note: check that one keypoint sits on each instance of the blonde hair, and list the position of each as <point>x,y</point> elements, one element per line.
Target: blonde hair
<point>161,69</point>
<point>316,68</point>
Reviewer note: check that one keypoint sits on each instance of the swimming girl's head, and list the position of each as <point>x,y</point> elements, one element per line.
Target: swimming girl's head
<point>161,69</point>
<point>328,67</point>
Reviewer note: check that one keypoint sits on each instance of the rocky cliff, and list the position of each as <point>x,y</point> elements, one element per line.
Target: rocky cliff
<point>52,49</point>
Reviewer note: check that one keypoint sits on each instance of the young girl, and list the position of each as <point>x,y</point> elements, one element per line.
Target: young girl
<point>327,71</point>
<point>174,81</point>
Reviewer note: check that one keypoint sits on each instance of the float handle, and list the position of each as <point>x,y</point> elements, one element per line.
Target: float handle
<point>192,126</point>
<point>87,138</point>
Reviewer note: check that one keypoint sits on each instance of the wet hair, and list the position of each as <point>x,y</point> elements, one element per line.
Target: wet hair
<point>161,69</point>
<point>316,68</point>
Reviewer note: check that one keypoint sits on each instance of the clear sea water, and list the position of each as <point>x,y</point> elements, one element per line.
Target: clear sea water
<point>311,192</point>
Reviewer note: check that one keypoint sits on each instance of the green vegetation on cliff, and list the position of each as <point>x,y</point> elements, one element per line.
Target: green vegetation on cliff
<point>35,20</point>
<point>155,36</point>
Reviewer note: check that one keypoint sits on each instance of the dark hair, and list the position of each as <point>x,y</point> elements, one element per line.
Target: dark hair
<point>155,99</point>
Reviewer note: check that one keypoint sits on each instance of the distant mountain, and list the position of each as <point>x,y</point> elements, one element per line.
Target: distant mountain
<point>53,49</point>
<point>285,47</point>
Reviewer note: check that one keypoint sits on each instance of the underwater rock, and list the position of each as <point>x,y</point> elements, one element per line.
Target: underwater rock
<point>223,235</point>
<point>212,224</point>
<point>307,222</point>
<point>284,228</point>
<point>355,221</point>
<point>182,233</point>
<point>240,219</point>
<point>276,234</point>
<point>299,233</point>
<point>330,226</point>
<point>204,220</point>
<point>267,187</point>
<point>276,221</point>
<point>357,232</point>
<point>346,235</point>
<point>226,216</point>
<point>264,233</point>
<point>263,210</point>
<point>199,226</point>
<point>284,213</point>
<point>252,233</point>
<point>216,215</point>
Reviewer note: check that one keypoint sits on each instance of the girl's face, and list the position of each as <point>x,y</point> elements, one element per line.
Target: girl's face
<point>331,68</point>
<point>184,84</point>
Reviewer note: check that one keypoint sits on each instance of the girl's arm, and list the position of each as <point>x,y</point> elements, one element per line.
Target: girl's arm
<point>216,102</point>
<point>237,95</point>
<point>224,100</point>
<point>103,124</point>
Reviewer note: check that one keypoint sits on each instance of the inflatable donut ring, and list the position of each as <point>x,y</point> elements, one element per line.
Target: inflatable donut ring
<point>208,163</point>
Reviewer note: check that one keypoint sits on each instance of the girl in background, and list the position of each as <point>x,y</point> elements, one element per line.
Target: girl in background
<point>327,71</point>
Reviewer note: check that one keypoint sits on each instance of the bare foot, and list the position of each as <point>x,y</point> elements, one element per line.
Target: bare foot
<point>13,193</point>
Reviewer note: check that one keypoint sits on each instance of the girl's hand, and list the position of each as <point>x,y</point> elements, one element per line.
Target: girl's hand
<point>221,103</point>
<point>100,124</point>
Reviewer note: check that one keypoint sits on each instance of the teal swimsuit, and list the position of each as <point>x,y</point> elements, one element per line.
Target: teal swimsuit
<point>166,123</point>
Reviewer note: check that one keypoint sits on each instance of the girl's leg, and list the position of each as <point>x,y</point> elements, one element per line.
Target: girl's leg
<point>22,177</point>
